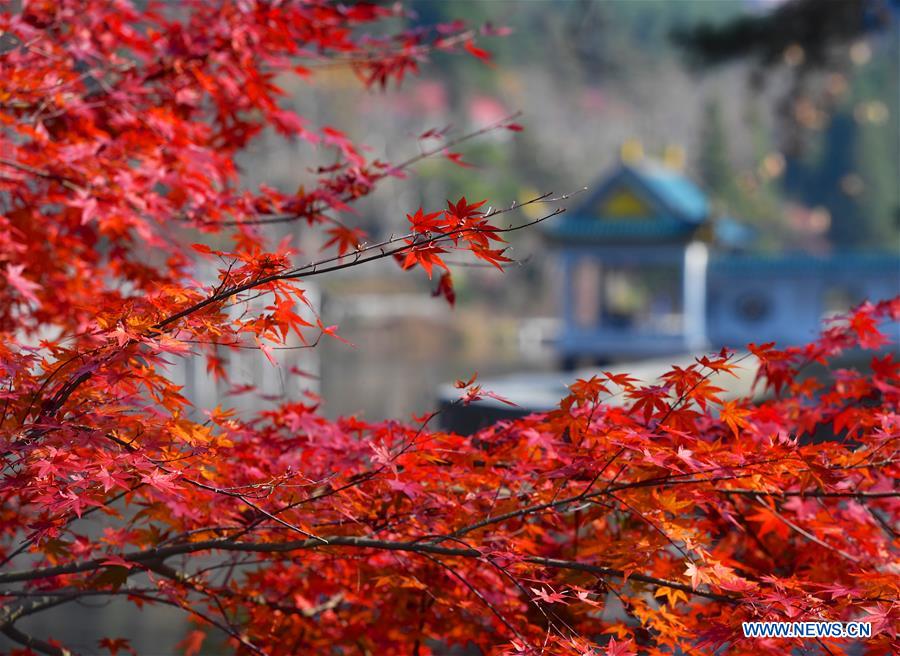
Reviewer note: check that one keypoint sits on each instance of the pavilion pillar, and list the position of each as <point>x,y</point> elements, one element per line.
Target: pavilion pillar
<point>568,291</point>
<point>696,258</point>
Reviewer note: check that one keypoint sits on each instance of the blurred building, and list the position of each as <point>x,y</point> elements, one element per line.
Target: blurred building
<point>647,270</point>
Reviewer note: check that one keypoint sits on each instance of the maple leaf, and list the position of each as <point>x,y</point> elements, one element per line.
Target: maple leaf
<point>624,381</point>
<point>584,596</point>
<point>115,645</point>
<point>425,255</point>
<point>111,576</point>
<point>883,618</point>
<point>770,523</point>
<point>718,364</point>
<point>345,238</point>
<point>697,574</point>
<point>686,456</point>
<point>462,212</point>
<point>761,351</point>
<point>192,643</point>
<point>266,350</point>
<point>424,223</point>
<point>476,393</point>
<point>589,389</point>
<point>21,284</point>
<point>547,595</point>
<point>111,480</point>
<point>160,480</point>
<point>672,595</point>
<point>204,249</point>
<point>445,289</point>
<point>650,400</point>
<point>494,257</point>
<point>704,392</point>
<point>866,329</point>
<point>474,50</point>
<point>433,133</point>
<point>330,331</point>
<point>383,456</point>
<point>734,417</point>
<point>837,590</point>
<point>287,318</point>
<point>457,159</point>
<point>616,648</point>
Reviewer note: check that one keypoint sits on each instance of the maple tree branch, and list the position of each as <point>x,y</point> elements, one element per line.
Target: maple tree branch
<point>687,393</point>
<point>619,573</point>
<point>642,517</point>
<point>670,479</point>
<point>42,600</point>
<point>228,544</point>
<point>812,493</point>
<point>528,597</point>
<point>216,490</point>
<point>503,122</point>
<point>313,268</point>
<point>31,642</point>
<point>64,181</point>
<point>411,241</point>
<point>189,581</point>
<point>392,170</point>
<point>212,507</point>
<point>359,479</point>
<point>27,542</point>
<point>477,593</point>
<point>377,55</point>
<point>887,528</point>
<point>59,598</point>
<point>149,557</point>
<point>809,536</point>
<point>225,628</point>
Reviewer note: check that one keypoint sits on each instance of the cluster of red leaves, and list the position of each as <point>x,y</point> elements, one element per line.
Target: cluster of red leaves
<point>460,226</point>
<point>664,528</point>
<point>652,525</point>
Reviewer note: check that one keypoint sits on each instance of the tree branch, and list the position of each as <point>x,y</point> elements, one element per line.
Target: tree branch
<point>31,642</point>
<point>148,557</point>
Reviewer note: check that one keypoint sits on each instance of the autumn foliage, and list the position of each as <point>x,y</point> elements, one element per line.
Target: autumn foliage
<point>632,519</point>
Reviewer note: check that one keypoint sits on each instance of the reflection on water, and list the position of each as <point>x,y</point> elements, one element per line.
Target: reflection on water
<point>395,367</point>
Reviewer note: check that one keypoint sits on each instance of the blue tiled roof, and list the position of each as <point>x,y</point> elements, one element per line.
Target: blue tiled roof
<point>675,191</point>
<point>679,207</point>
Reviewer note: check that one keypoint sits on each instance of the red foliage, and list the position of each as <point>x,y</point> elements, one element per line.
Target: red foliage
<point>656,525</point>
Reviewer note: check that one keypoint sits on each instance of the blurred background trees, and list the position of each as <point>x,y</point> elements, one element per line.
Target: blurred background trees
<point>795,102</point>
